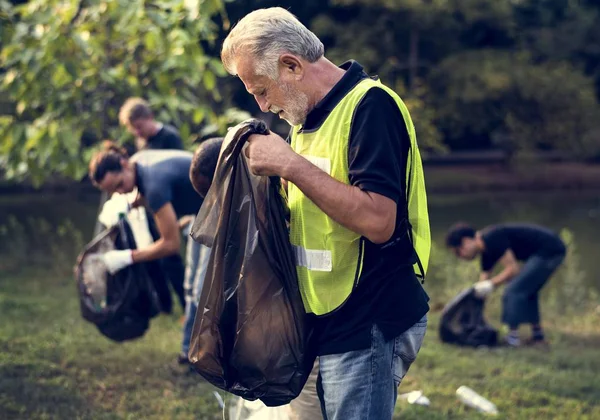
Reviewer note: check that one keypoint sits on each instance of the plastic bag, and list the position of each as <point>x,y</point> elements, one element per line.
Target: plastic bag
<point>463,323</point>
<point>120,305</point>
<point>250,334</point>
<point>242,409</point>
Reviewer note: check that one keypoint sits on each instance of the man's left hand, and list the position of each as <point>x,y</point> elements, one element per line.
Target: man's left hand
<point>269,155</point>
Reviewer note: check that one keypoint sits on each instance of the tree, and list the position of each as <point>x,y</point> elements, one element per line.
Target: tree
<point>485,94</point>
<point>69,65</point>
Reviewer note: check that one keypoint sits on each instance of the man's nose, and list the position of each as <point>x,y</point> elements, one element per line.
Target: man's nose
<point>262,103</point>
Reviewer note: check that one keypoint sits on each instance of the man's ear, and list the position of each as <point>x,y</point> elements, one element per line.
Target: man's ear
<point>291,64</point>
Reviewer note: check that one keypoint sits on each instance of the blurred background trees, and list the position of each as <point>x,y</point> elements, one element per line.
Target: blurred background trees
<point>477,74</point>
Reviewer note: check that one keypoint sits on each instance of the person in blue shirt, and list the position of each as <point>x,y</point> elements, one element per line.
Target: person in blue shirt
<point>164,188</point>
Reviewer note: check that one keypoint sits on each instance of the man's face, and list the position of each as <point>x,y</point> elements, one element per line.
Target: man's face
<point>468,249</point>
<point>283,96</point>
<point>121,182</point>
<point>143,127</point>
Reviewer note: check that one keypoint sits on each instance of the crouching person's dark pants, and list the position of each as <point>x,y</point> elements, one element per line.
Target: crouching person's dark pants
<point>521,296</point>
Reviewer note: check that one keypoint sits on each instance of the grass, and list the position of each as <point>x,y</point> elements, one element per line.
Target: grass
<point>55,365</point>
<point>523,383</point>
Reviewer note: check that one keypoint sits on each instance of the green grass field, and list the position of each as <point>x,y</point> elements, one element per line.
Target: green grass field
<point>54,365</point>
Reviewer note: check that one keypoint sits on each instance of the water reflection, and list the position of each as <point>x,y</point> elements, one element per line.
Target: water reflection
<point>49,230</point>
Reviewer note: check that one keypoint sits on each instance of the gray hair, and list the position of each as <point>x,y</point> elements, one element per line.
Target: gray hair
<point>265,34</point>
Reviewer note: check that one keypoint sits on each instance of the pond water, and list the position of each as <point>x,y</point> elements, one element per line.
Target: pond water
<point>50,228</point>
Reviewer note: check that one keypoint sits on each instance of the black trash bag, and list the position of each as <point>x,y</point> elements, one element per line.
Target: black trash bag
<point>155,269</point>
<point>463,322</point>
<point>119,305</point>
<point>250,333</point>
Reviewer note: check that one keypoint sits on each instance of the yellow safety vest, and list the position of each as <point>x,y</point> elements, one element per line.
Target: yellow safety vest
<point>329,257</point>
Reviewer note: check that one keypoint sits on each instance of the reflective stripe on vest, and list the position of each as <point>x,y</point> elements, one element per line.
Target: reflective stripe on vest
<point>329,257</point>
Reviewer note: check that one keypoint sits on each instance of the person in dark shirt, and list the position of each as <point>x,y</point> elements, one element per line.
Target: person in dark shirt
<point>541,252</point>
<point>369,329</point>
<point>137,117</point>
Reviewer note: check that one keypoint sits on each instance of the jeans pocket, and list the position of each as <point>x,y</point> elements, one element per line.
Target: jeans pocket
<point>406,348</point>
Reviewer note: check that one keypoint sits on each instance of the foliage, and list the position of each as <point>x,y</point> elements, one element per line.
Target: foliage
<point>71,64</point>
<point>516,75</point>
<point>474,73</point>
<point>489,95</point>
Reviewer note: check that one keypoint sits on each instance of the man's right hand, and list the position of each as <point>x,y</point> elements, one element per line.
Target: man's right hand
<point>117,260</point>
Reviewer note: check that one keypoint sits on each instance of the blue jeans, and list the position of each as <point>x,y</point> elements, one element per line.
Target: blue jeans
<point>195,271</point>
<point>363,384</point>
<point>520,302</point>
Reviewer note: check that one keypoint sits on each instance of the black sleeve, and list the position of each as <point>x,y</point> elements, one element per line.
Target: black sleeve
<point>173,141</point>
<point>496,244</point>
<point>378,146</point>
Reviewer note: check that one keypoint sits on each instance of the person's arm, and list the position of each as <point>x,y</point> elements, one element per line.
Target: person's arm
<point>376,154</point>
<point>485,275</point>
<point>510,269</point>
<point>168,243</point>
<point>369,214</point>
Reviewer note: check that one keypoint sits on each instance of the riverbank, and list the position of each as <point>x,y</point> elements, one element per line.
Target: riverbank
<point>443,179</point>
<point>518,177</point>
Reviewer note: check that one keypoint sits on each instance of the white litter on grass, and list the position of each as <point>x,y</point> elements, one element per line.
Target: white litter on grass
<point>219,399</point>
<point>469,397</point>
<point>416,397</point>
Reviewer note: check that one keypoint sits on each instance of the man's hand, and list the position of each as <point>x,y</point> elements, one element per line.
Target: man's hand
<point>184,221</point>
<point>117,260</point>
<point>269,155</point>
<point>483,288</point>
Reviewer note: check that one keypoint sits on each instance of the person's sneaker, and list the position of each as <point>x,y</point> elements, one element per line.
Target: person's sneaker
<point>512,341</point>
<point>182,359</point>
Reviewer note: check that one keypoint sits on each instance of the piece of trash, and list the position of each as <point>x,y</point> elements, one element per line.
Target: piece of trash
<point>415,397</point>
<point>219,399</point>
<point>476,401</point>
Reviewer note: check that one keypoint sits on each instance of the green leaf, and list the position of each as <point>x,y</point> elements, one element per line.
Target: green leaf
<point>60,77</point>
<point>34,136</point>
<point>209,80</point>
<point>217,67</point>
<point>198,115</point>
<point>152,40</point>
<point>21,106</point>
<point>184,130</point>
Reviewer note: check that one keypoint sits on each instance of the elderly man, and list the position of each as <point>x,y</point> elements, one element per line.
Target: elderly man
<point>359,222</point>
